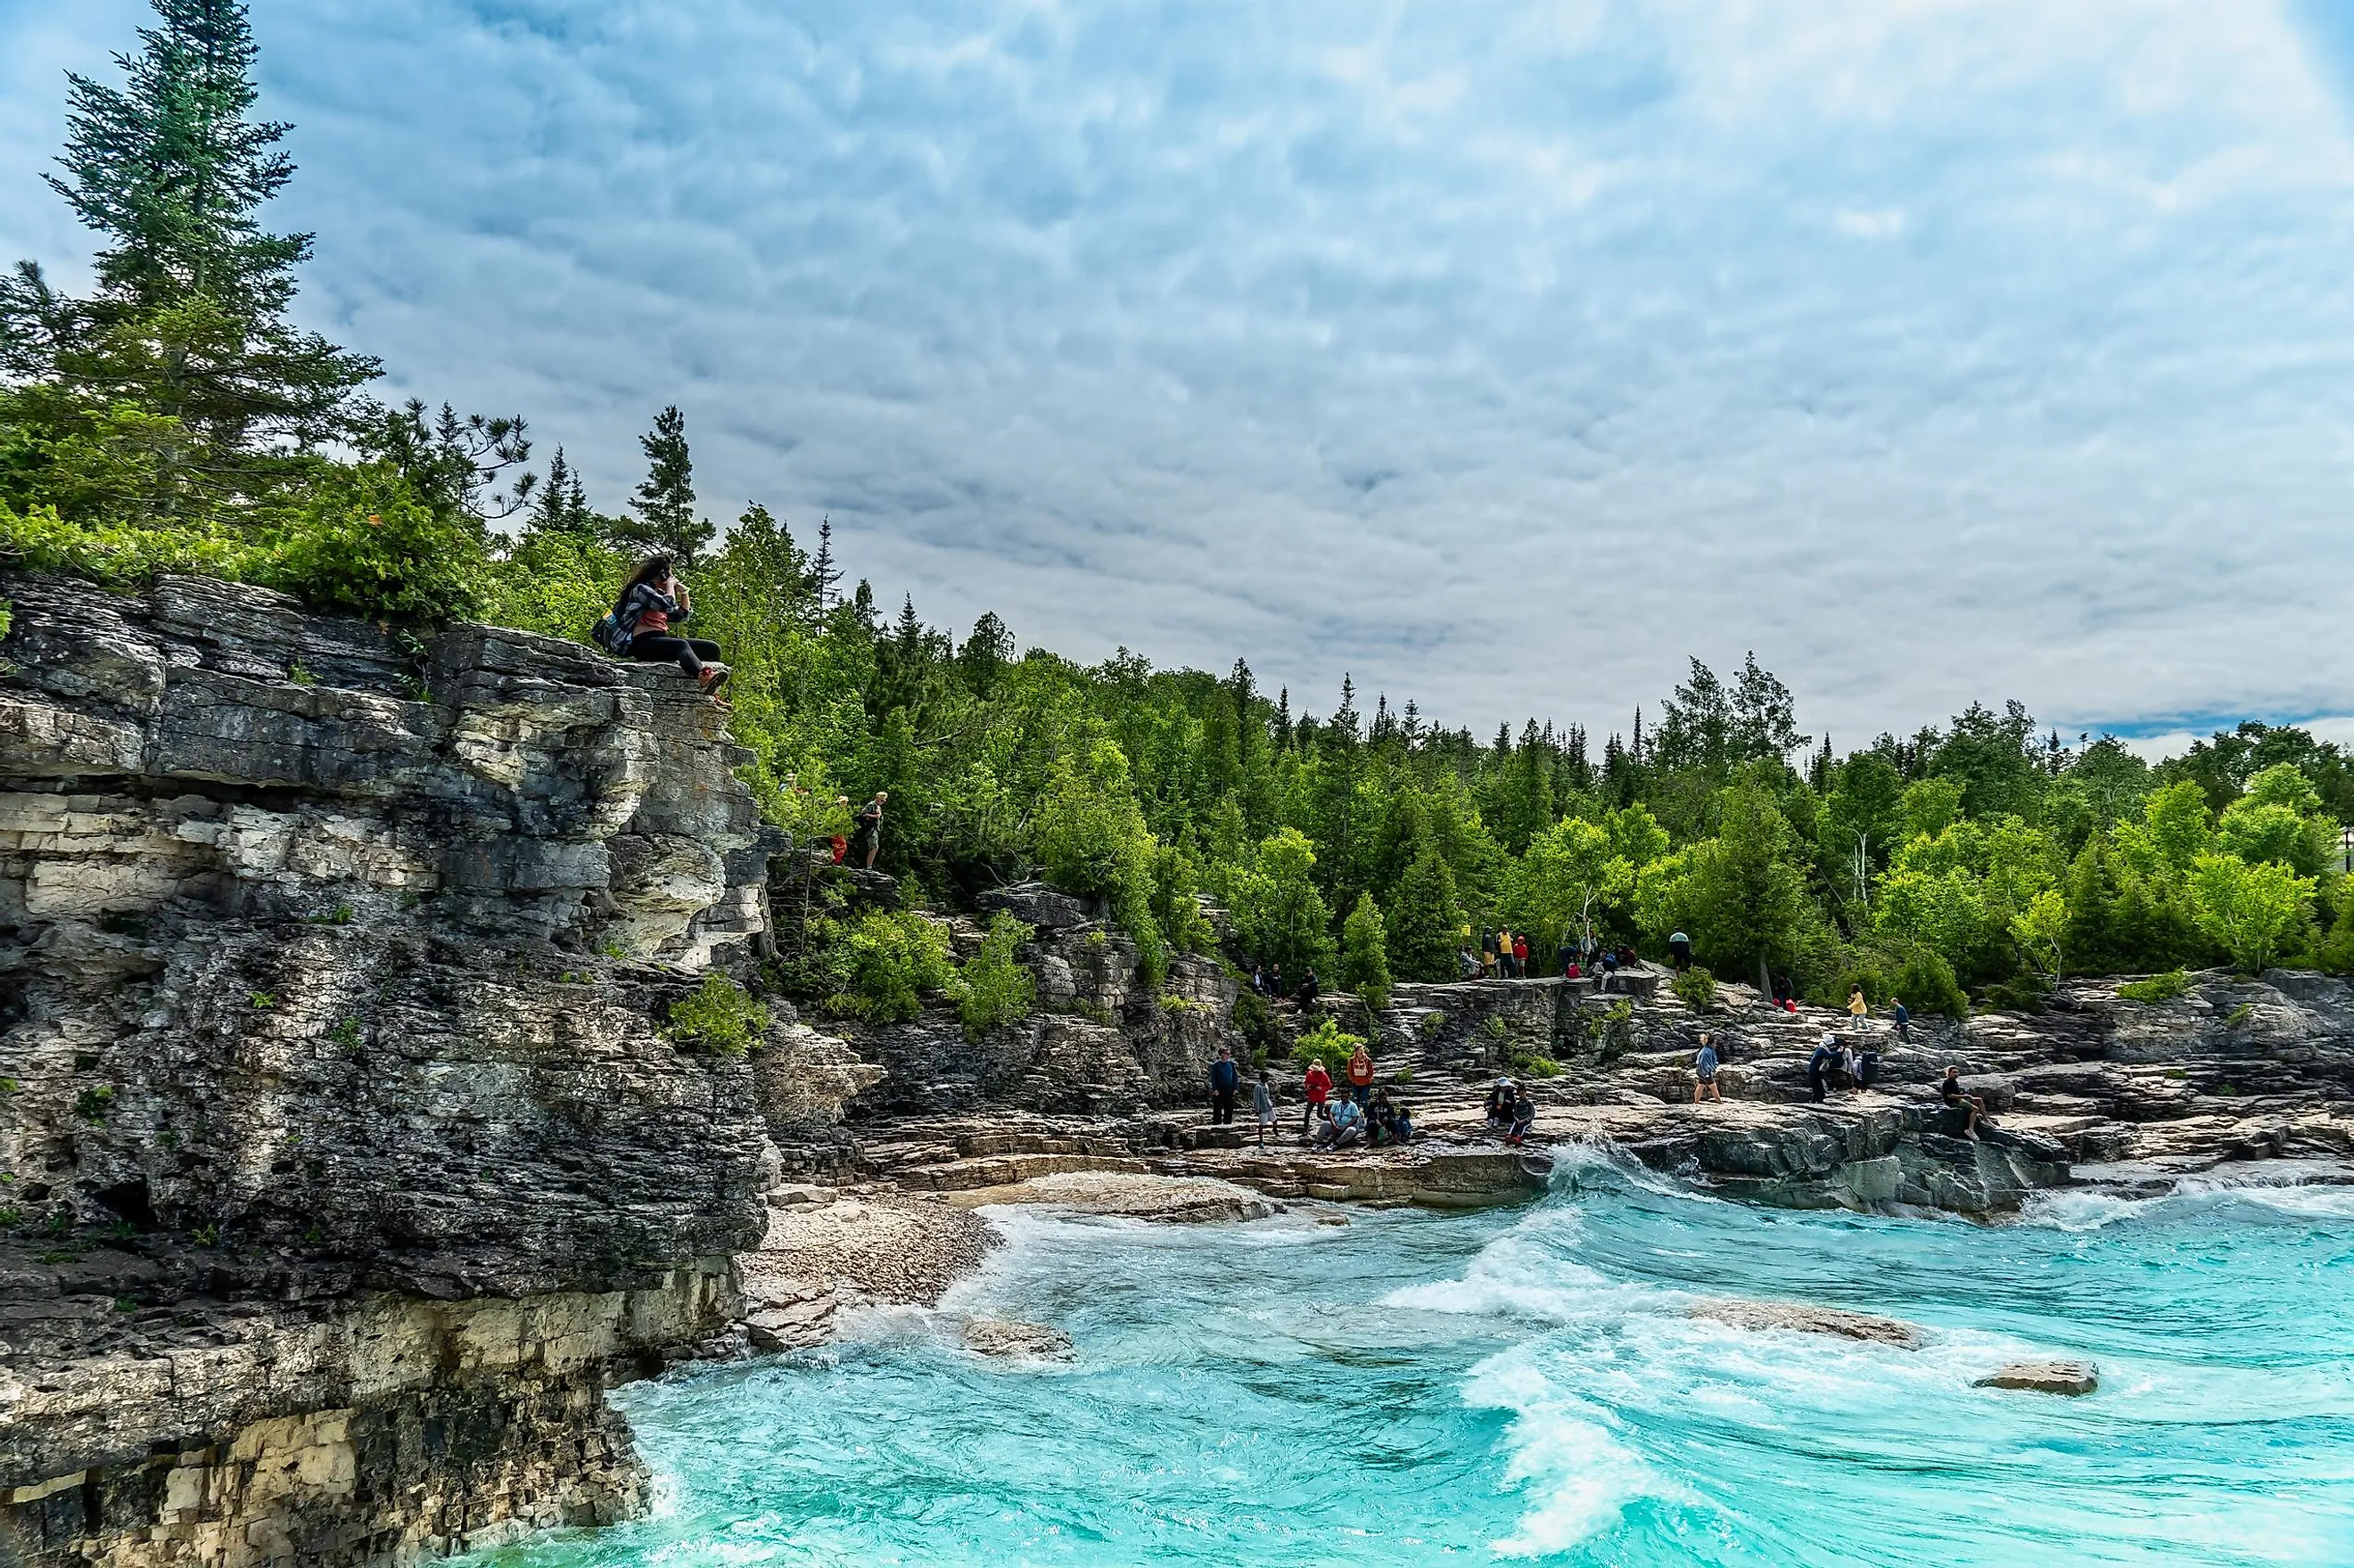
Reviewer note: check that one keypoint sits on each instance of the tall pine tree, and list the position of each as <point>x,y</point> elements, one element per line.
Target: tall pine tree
<point>189,320</point>
<point>664,500</point>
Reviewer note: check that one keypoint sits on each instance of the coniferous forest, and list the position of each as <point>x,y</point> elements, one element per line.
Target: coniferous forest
<point>177,421</point>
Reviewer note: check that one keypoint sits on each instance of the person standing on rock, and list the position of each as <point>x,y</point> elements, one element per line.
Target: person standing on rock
<point>1360,1075</point>
<point>652,606</point>
<point>1318,1084</point>
<point>1680,951</point>
<point>1225,1083</point>
<point>1857,1008</point>
<point>1901,1018</point>
<point>869,833</point>
<point>1520,955</point>
<point>1820,1062</point>
<point>1262,1106</point>
<point>1704,1065</point>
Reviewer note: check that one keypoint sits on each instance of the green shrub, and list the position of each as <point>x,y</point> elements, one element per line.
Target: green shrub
<point>1528,1064</point>
<point>1327,1043</point>
<point>997,989</point>
<point>2240,1015</point>
<point>895,957</point>
<point>720,1016</point>
<point>1696,988</point>
<point>356,540</point>
<point>91,1105</point>
<point>2158,988</point>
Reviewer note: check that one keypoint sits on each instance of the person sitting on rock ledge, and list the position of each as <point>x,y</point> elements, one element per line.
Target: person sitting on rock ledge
<point>1467,965</point>
<point>1309,990</point>
<point>1524,1118</point>
<point>1344,1127</point>
<point>1957,1113</point>
<point>1504,1104</point>
<point>1819,1065</point>
<point>652,606</point>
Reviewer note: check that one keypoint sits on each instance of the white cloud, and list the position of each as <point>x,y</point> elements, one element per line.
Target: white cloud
<point>1935,351</point>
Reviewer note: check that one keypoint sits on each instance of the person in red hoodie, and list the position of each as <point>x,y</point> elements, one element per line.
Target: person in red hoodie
<point>1320,1089</point>
<point>1519,957</point>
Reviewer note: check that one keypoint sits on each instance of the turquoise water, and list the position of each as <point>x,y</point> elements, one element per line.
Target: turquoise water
<point>1524,1384</point>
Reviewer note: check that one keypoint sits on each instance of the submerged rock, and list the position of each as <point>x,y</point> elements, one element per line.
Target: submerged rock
<point>1802,1318</point>
<point>2044,1377</point>
<point>1013,1341</point>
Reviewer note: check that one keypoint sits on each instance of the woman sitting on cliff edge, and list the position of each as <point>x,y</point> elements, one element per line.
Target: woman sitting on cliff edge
<point>652,606</point>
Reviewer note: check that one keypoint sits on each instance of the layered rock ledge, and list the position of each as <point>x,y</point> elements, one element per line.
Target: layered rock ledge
<point>344,1166</point>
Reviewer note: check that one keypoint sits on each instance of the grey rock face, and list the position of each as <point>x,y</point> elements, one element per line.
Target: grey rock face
<point>329,973</point>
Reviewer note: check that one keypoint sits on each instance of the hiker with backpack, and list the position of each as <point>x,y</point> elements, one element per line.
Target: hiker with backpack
<point>644,622</point>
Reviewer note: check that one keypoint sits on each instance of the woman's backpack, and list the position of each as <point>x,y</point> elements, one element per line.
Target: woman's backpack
<point>609,634</point>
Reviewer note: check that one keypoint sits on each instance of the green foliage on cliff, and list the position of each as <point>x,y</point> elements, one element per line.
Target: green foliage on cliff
<point>1328,1044</point>
<point>997,989</point>
<point>895,957</point>
<point>2156,988</point>
<point>720,1016</point>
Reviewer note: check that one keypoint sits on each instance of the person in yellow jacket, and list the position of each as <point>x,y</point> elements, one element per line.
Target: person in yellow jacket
<point>1857,1008</point>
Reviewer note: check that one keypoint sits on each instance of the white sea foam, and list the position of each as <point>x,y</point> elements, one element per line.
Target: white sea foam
<point>2078,1211</point>
<point>1578,1476</point>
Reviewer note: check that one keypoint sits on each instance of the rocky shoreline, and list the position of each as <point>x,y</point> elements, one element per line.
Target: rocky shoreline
<point>346,1162</point>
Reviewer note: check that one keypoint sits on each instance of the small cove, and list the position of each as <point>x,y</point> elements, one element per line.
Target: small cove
<point>1525,1384</point>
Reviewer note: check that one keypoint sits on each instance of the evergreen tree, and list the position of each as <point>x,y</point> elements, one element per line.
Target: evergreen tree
<point>563,504</point>
<point>1364,959</point>
<point>664,501</point>
<point>189,320</point>
<point>1425,930</point>
<point>825,572</point>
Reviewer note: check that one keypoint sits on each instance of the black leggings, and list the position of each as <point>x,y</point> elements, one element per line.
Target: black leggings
<point>654,648</point>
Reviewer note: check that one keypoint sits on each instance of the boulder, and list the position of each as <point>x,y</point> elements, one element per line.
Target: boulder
<point>1799,1317</point>
<point>1037,904</point>
<point>2044,1377</point>
<point>1009,1339</point>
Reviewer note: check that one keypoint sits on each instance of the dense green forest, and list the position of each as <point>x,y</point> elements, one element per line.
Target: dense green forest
<point>175,421</point>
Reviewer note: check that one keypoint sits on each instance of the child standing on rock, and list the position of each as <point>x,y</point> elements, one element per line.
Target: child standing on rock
<point>1318,1084</point>
<point>1262,1106</point>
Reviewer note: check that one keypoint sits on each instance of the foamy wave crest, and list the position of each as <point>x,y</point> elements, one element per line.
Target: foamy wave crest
<point>1596,1165</point>
<point>2286,1193</point>
<point>1579,1478</point>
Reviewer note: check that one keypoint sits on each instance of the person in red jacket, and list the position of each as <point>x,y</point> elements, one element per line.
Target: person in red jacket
<point>1519,957</point>
<point>1320,1089</point>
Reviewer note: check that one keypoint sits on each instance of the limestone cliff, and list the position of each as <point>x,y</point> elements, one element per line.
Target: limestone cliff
<point>342,1164</point>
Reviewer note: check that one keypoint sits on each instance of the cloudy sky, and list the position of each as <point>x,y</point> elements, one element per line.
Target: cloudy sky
<point>1502,355</point>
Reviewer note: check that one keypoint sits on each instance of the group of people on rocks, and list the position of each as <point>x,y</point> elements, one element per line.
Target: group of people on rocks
<point>1840,1064</point>
<point>1266,980</point>
<point>1504,955</point>
<point>1351,1113</point>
